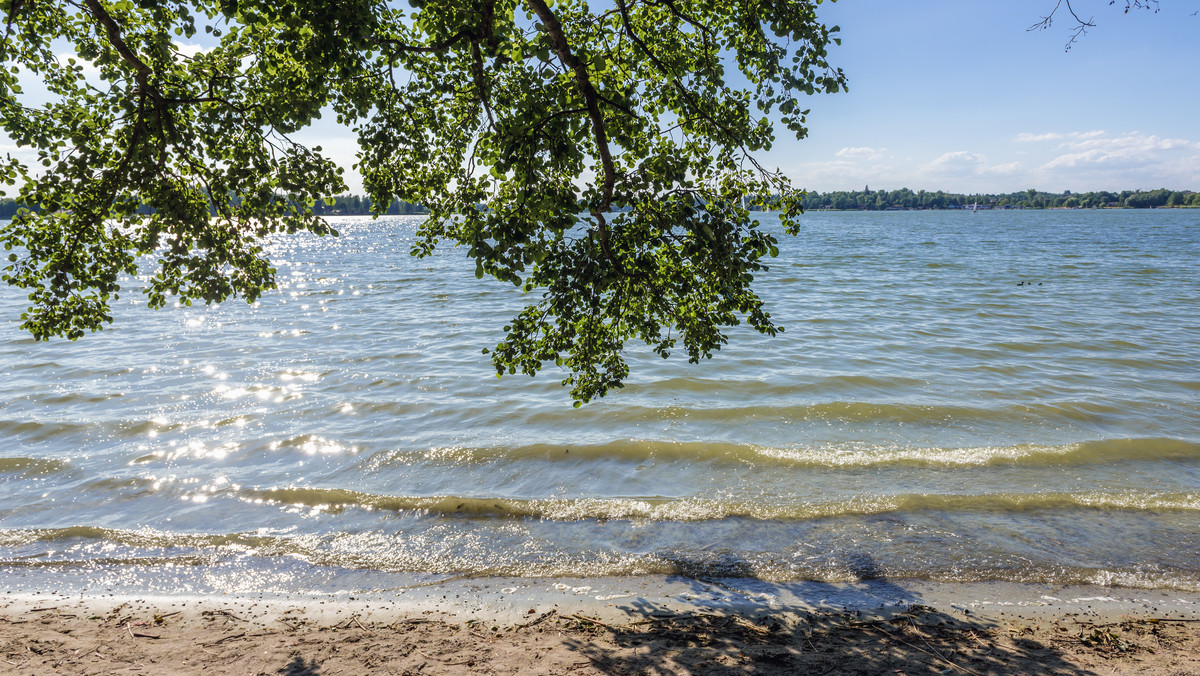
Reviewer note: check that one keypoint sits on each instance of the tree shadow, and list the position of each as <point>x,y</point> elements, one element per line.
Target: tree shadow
<point>300,667</point>
<point>800,630</point>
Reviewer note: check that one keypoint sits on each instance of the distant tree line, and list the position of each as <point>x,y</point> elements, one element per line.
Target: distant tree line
<point>858,200</point>
<point>8,208</point>
<point>357,205</point>
<point>881,200</point>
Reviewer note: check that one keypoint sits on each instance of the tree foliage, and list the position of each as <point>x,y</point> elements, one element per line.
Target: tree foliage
<point>599,157</point>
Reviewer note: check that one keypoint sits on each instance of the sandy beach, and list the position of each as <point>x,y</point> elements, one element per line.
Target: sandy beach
<point>447,631</point>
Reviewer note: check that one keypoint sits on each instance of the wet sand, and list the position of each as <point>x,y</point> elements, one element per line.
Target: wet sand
<point>666,626</point>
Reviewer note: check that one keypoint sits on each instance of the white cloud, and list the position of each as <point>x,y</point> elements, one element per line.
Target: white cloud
<point>1080,160</point>
<point>964,170</point>
<point>189,50</point>
<point>1025,137</point>
<point>960,170</point>
<point>958,160</point>
<point>1006,169</point>
<point>72,59</point>
<point>1131,160</point>
<point>1131,149</point>
<point>864,153</point>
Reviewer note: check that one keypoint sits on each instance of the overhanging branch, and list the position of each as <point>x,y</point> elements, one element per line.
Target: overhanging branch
<point>592,99</point>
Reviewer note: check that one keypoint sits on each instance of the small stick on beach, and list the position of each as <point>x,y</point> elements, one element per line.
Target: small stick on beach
<point>583,618</point>
<point>541,617</point>
<point>932,651</point>
<point>222,612</point>
<point>231,637</point>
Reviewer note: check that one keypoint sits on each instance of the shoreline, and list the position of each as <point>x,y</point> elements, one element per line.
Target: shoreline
<point>621,598</point>
<point>611,625</point>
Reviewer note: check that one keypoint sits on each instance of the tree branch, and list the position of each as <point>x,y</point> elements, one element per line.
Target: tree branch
<point>115,36</point>
<point>592,100</point>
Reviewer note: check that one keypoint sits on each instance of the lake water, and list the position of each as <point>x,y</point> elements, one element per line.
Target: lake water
<point>925,416</point>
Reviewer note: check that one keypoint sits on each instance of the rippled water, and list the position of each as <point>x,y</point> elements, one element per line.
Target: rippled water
<point>926,415</point>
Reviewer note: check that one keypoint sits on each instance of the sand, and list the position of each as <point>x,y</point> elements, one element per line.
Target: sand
<point>1144,632</point>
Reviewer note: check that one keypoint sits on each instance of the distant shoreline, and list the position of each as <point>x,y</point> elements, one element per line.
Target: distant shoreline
<point>962,208</point>
<point>902,199</point>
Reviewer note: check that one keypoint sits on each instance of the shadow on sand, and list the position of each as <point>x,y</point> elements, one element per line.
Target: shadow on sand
<point>902,636</point>
<point>721,619</point>
<point>300,667</point>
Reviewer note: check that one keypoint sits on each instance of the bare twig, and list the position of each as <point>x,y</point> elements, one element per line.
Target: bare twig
<point>225,613</point>
<point>1081,26</point>
<point>933,651</point>
<point>584,618</point>
<point>231,637</point>
<point>541,617</point>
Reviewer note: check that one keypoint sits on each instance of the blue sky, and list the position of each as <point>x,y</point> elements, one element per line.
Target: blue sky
<point>957,95</point>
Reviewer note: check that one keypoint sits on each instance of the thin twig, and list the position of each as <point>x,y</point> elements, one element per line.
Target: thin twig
<point>588,619</point>
<point>224,612</point>
<point>541,617</point>
<point>934,652</point>
<point>231,637</point>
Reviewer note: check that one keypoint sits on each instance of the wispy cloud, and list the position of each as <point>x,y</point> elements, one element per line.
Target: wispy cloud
<point>966,168</point>
<point>1097,159</point>
<point>957,160</point>
<point>1077,160</point>
<point>1006,169</point>
<point>1134,149</point>
<point>863,153</point>
<point>189,50</point>
<point>961,170</point>
<point>1025,137</point>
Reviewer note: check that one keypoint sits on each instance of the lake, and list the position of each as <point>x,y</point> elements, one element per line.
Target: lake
<point>1007,395</point>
